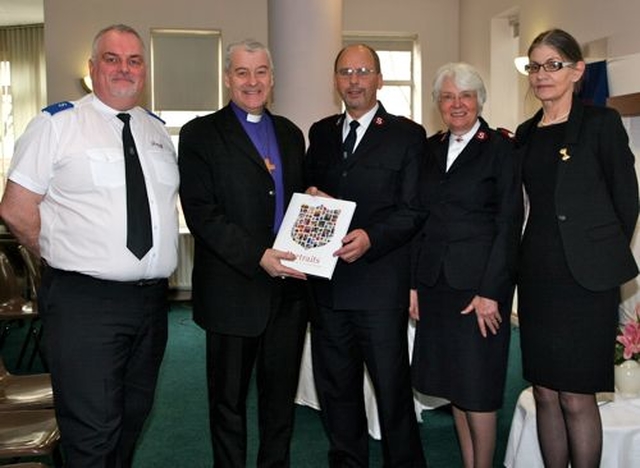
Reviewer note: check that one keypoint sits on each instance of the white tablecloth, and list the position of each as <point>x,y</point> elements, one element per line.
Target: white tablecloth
<point>307,391</point>
<point>181,277</point>
<point>621,434</point>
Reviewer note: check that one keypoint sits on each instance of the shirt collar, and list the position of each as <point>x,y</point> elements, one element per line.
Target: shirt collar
<point>364,121</point>
<point>101,107</point>
<point>465,137</point>
<point>244,115</point>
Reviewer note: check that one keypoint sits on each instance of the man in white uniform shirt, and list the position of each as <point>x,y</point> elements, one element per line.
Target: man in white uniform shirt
<point>103,307</point>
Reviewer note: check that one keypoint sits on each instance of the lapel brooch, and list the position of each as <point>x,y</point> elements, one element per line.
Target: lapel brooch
<point>481,135</point>
<point>564,154</point>
<point>379,121</point>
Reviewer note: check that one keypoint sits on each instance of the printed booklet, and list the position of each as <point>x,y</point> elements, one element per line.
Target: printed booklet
<point>312,229</point>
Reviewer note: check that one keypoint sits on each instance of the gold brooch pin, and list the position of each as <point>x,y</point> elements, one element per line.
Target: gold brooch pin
<point>564,154</point>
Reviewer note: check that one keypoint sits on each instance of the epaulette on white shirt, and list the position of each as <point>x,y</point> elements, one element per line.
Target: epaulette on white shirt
<point>156,116</point>
<point>58,107</point>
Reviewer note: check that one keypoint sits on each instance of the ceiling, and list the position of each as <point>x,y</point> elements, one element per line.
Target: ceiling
<point>14,12</point>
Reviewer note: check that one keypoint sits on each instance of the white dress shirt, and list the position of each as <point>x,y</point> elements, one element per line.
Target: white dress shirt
<point>74,158</point>
<point>364,122</point>
<point>458,142</point>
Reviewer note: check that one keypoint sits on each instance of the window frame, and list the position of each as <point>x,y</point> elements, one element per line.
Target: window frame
<point>400,42</point>
<point>214,79</point>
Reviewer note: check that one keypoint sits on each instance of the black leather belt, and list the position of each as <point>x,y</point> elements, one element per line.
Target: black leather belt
<point>139,283</point>
<point>145,282</point>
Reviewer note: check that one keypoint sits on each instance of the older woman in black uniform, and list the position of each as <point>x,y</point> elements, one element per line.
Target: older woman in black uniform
<point>579,175</point>
<point>464,263</point>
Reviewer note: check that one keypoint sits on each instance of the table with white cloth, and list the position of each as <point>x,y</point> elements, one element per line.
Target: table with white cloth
<point>181,277</point>
<point>620,427</point>
<point>307,391</point>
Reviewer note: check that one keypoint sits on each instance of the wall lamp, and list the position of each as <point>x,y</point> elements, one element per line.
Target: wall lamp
<point>520,62</point>
<point>86,83</point>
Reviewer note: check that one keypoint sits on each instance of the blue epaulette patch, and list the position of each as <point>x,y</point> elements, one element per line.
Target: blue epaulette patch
<point>57,107</point>
<point>156,116</point>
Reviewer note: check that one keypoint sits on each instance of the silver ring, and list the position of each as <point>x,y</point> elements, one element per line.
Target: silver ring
<point>282,277</point>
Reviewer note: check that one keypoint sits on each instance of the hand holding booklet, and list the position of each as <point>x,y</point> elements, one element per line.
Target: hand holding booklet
<point>312,229</point>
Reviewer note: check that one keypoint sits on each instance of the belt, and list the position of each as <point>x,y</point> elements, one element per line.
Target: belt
<point>145,282</point>
<point>138,283</point>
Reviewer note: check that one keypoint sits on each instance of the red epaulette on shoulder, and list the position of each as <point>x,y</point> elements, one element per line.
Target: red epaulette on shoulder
<point>505,132</point>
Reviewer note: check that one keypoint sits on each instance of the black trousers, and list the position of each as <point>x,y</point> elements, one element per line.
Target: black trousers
<point>276,354</point>
<point>342,342</point>
<point>104,342</point>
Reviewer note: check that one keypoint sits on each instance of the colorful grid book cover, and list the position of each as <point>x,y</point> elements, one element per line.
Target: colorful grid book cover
<point>312,229</point>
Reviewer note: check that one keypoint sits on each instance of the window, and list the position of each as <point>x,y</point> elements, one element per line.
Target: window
<point>400,69</point>
<point>22,85</point>
<point>186,66</point>
<point>7,136</point>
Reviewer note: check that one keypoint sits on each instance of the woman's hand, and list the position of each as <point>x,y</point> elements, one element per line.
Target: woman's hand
<point>487,314</point>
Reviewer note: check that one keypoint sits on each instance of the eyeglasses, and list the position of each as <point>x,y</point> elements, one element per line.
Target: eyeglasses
<point>361,71</point>
<point>135,61</point>
<point>464,97</point>
<point>548,66</point>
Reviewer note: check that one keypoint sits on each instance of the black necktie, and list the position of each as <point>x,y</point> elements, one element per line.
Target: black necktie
<point>350,141</point>
<point>139,237</point>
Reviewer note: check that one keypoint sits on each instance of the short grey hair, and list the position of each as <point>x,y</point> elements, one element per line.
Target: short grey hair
<point>122,28</point>
<point>250,45</point>
<point>465,77</point>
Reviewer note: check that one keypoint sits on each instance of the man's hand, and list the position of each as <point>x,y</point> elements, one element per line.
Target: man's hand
<point>414,309</point>
<point>354,245</point>
<point>314,191</point>
<point>270,262</point>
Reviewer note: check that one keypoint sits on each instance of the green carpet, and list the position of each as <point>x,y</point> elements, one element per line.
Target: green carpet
<point>177,432</point>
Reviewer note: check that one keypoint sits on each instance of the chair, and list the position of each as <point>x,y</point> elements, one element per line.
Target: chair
<point>13,306</point>
<point>33,266</point>
<point>25,465</point>
<point>30,433</point>
<point>20,392</point>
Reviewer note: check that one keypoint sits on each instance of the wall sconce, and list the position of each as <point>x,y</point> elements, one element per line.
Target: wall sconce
<point>520,62</point>
<point>86,83</point>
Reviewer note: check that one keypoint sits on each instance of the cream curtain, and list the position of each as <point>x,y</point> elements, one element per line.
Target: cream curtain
<point>22,47</point>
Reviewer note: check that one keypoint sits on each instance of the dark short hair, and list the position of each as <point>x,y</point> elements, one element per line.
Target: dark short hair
<point>374,54</point>
<point>561,41</point>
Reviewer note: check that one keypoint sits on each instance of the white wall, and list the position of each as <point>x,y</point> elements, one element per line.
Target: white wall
<point>631,291</point>
<point>71,24</point>
<point>434,21</point>
<point>587,20</point>
<point>448,30</point>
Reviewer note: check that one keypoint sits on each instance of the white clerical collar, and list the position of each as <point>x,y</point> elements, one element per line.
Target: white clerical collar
<point>254,118</point>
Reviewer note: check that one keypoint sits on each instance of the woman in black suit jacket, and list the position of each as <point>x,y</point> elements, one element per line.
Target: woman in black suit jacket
<point>578,172</point>
<point>464,260</point>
